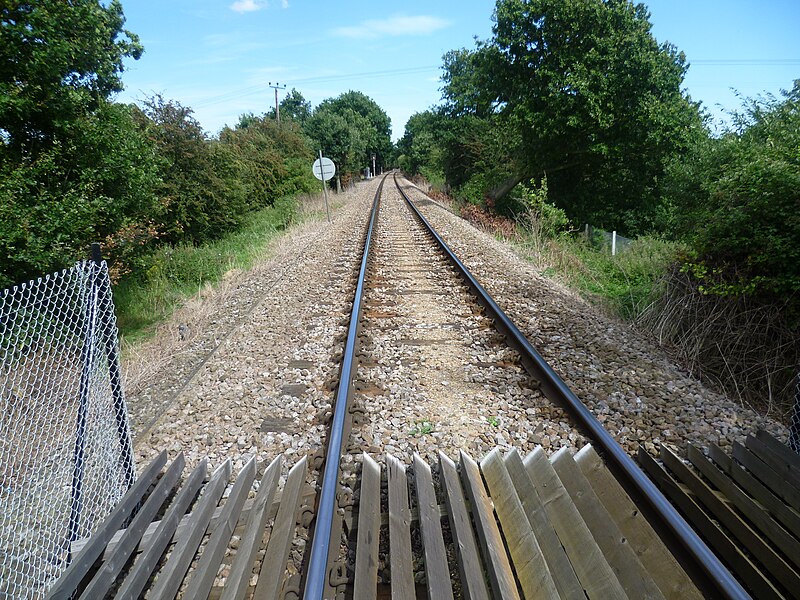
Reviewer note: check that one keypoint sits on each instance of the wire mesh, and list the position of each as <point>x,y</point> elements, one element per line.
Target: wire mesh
<point>600,238</point>
<point>65,446</point>
<point>794,423</point>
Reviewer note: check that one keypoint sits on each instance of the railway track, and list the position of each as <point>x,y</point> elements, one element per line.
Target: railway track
<point>412,259</point>
<point>425,338</point>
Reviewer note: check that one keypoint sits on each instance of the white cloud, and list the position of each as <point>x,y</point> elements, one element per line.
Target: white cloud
<point>397,25</point>
<point>243,6</point>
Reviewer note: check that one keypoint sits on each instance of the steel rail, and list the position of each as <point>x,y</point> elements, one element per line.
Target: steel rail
<point>317,571</point>
<point>557,391</point>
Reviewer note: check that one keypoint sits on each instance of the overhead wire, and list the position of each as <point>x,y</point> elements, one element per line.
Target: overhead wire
<point>256,89</point>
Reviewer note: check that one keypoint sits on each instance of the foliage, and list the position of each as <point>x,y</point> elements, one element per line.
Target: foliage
<point>473,154</point>
<point>58,62</point>
<point>586,96</point>
<point>350,129</point>
<point>293,107</point>
<point>342,136</point>
<point>73,168</point>
<point>544,218</point>
<point>422,428</point>
<point>200,195</point>
<point>745,189</point>
<point>272,160</point>
<point>626,283</point>
<point>76,168</point>
<point>176,272</point>
<point>93,182</point>
<point>419,150</point>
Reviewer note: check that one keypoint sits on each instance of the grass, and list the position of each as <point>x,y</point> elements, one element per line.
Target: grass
<point>624,283</point>
<point>179,272</point>
<point>422,428</point>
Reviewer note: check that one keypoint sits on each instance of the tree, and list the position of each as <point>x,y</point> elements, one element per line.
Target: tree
<point>419,145</point>
<point>744,187</point>
<point>94,182</point>
<point>272,160</point>
<point>295,107</point>
<point>731,304</point>
<point>374,128</point>
<point>594,100</point>
<point>74,168</point>
<point>58,62</point>
<point>201,199</point>
<point>341,134</point>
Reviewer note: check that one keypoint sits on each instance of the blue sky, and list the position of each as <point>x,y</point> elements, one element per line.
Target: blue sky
<point>220,56</point>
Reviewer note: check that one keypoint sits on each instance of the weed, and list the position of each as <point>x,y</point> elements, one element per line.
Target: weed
<point>178,272</point>
<point>422,428</point>
<point>493,421</point>
<point>624,283</point>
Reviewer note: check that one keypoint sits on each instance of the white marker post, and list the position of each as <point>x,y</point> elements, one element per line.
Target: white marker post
<point>324,169</point>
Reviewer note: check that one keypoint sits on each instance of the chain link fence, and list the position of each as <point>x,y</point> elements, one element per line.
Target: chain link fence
<point>610,241</point>
<point>65,443</point>
<point>794,423</point>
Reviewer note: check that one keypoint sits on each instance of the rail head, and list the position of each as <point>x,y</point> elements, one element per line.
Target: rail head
<point>557,391</point>
<point>317,572</point>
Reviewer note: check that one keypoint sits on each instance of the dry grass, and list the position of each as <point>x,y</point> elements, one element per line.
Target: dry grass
<point>744,347</point>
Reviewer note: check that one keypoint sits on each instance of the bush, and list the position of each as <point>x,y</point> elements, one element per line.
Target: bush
<point>544,219</point>
<point>739,342</point>
<point>178,271</point>
<point>272,160</point>
<point>200,192</point>
<point>95,181</point>
<point>730,306</point>
<point>627,282</point>
<point>744,188</point>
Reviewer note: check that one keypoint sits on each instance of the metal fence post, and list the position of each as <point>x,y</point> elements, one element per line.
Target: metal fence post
<point>87,360</point>
<point>112,357</point>
<point>794,425</point>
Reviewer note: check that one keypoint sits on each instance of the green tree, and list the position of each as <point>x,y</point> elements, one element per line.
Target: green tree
<point>343,135</point>
<point>74,168</point>
<point>420,145</point>
<point>199,193</point>
<point>272,160</point>
<point>744,187</point>
<point>594,100</point>
<point>294,106</point>
<point>373,129</point>
<point>58,62</point>
<point>94,182</point>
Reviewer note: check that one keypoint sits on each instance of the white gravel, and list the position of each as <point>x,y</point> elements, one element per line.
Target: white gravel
<point>628,382</point>
<point>263,352</point>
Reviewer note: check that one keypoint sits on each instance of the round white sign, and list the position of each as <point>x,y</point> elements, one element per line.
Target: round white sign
<point>323,169</point>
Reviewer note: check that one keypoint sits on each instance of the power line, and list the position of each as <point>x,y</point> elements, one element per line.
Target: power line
<point>261,88</point>
<point>277,87</point>
<point>256,89</point>
<point>742,62</point>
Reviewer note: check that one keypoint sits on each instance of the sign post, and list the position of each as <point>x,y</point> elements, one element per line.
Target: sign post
<point>324,169</point>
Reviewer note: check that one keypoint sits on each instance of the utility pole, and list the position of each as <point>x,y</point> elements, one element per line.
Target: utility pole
<point>277,87</point>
